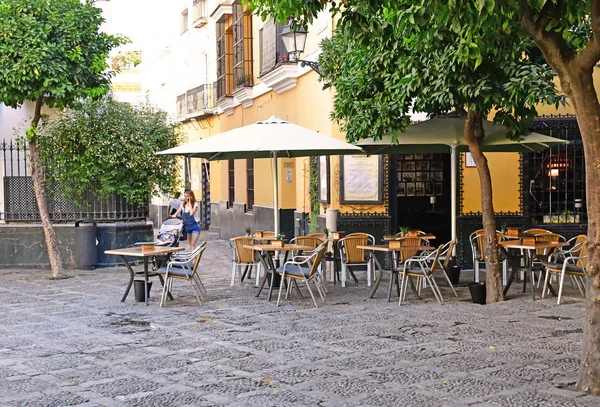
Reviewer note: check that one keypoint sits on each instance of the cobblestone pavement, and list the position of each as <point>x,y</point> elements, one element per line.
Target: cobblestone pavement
<point>73,343</point>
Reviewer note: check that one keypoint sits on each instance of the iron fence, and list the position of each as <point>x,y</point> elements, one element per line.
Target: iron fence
<point>198,100</point>
<point>19,204</point>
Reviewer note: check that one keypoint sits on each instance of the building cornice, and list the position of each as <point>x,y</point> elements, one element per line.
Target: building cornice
<point>282,78</point>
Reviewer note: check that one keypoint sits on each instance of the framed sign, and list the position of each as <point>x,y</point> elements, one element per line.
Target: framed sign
<point>469,162</point>
<point>324,179</point>
<point>361,179</point>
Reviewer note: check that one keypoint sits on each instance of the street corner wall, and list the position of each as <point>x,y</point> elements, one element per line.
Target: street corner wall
<point>24,246</point>
<point>505,169</point>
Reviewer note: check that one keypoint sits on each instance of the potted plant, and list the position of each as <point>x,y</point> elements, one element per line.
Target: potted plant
<point>503,228</point>
<point>278,242</point>
<point>248,81</point>
<point>568,216</point>
<point>149,244</point>
<point>326,231</point>
<point>403,231</point>
<point>248,231</point>
<point>240,81</point>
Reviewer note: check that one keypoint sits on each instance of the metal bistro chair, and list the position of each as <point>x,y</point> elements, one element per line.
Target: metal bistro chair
<point>421,267</point>
<point>542,255</point>
<point>351,256</point>
<point>574,266</point>
<point>443,260</point>
<point>304,268</point>
<point>476,240</point>
<point>184,266</point>
<point>243,257</point>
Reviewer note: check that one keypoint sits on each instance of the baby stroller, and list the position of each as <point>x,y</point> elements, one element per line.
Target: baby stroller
<point>168,236</point>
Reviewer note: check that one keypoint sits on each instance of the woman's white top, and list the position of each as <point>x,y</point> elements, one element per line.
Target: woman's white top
<point>196,214</point>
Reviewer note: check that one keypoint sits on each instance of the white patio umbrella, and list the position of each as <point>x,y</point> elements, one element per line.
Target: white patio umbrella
<point>271,138</point>
<point>445,134</point>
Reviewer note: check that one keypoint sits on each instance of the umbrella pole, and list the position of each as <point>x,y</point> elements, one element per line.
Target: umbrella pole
<point>453,165</point>
<point>275,194</point>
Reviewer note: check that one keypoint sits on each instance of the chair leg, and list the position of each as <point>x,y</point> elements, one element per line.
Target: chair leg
<point>545,286</point>
<point>258,271</point>
<point>195,292</point>
<point>560,286</point>
<point>343,274</point>
<point>449,282</point>
<point>280,288</point>
<point>476,267</point>
<point>402,288</point>
<point>311,293</point>
<point>233,271</point>
<point>164,291</point>
<point>504,271</point>
<point>579,285</point>
<point>434,288</point>
<point>369,272</point>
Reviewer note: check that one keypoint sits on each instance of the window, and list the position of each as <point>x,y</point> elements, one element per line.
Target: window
<point>231,182</point>
<point>224,59</point>
<point>199,7</point>
<point>272,51</point>
<point>242,46</point>
<point>184,21</point>
<point>556,177</point>
<point>250,182</point>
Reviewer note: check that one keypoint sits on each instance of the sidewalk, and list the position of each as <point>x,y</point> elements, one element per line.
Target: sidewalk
<point>73,343</point>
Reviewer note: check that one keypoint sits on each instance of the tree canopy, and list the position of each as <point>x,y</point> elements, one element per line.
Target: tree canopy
<point>107,146</point>
<point>52,49</point>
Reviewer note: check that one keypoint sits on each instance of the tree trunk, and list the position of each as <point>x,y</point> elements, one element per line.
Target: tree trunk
<point>474,135</point>
<point>587,109</point>
<point>40,195</point>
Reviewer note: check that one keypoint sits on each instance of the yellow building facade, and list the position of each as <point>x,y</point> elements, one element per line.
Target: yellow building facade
<point>253,77</point>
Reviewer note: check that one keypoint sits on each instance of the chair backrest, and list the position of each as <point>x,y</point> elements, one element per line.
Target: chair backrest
<point>435,255</point>
<point>477,239</point>
<point>350,252</point>
<point>536,231</point>
<point>268,234</point>
<point>546,237</point>
<point>197,256</point>
<point>447,250</point>
<point>579,242</point>
<point>409,252</point>
<point>317,235</point>
<point>316,258</point>
<point>370,238</point>
<point>243,255</point>
<point>583,253</point>
<point>312,242</point>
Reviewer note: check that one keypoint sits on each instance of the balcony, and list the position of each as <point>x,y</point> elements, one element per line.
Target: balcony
<point>196,102</point>
<point>199,13</point>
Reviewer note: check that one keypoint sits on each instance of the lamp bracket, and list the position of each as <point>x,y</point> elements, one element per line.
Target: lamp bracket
<point>314,65</point>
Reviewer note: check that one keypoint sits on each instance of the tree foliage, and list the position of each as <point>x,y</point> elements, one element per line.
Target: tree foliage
<point>109,146</point>
<point>52,49</point>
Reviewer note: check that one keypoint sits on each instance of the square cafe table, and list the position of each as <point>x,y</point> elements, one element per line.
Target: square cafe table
<point>386,249</point>
<point>529,252</point>
<point>268,265</point>
<point>137,251</point>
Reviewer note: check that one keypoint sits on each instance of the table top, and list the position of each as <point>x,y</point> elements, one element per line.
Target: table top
<point>386,248</point>
<point>137,251</point>
<point>426,236</point>
<point>265,238</point>
<point>271,248</point>
<point>517,244</point>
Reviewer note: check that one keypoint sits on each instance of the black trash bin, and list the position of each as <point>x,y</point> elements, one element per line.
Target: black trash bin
<point>478,293</point>
<point>453,273</point>
<point>86,252</point>
<point>138,289</point>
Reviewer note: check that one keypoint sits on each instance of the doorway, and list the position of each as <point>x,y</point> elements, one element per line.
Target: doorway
<point>421,193</point>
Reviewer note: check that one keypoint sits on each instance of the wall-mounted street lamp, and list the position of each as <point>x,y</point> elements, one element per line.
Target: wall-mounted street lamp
<point>294,40</point>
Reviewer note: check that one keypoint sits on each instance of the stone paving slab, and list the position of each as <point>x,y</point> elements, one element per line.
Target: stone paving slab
<point>73,343</point>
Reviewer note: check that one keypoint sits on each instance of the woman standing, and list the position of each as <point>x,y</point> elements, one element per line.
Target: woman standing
<point>191,217</point>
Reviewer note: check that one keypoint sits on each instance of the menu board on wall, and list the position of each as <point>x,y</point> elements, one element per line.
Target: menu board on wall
<point>361,179</point>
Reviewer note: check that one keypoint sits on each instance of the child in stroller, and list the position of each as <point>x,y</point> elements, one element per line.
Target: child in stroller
<point>168,236</point>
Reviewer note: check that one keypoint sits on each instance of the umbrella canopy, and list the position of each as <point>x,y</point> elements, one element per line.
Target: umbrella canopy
<point>445,134</point>
<point>437,135</point>
<point>271,138</point>
<point>262,139</point>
